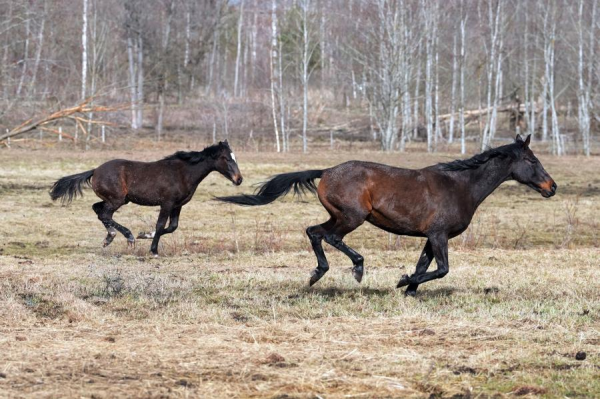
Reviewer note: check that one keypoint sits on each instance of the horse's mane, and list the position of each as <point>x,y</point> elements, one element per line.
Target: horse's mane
<point>509,150</point>
<point>194,157</point>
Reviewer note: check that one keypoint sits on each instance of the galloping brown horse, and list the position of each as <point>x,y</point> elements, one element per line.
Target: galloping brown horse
<point>169,183</point>
<point>437,202</point>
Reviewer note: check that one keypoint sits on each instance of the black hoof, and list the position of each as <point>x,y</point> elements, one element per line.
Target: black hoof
<point>357,272</point>
<point>412,293</point>
<point>404,281</point>
<point>314,277</point>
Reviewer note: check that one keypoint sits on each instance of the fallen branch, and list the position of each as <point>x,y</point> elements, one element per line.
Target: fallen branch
<point>84,108</point>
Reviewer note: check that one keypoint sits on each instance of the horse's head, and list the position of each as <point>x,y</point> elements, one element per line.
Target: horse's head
<point>527,169</point>
<point>226,164</point>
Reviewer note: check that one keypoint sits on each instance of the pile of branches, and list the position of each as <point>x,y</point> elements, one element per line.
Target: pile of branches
<point>78,113</point>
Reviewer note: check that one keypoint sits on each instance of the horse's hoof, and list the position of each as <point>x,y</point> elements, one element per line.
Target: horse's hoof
<point>145,235</point>
<point>105,243</point>
<point>404,281</point>
<point>131,243</point>
<point>357,272</point>
<point>412,293</point>
<point>314,277</point>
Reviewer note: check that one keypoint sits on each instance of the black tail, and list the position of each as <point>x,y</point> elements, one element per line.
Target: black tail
<point>69,187</point>
<point>277,187</point>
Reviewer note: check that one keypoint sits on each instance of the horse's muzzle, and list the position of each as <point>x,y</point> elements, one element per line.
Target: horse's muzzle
<point>548,189</point>
<point>238,180</point>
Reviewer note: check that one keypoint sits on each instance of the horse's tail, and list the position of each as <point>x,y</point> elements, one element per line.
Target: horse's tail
<point>69,187</point>
<point>278,186</point>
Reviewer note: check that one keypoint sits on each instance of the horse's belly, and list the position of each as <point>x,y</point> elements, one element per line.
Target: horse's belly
<point>399,226</point>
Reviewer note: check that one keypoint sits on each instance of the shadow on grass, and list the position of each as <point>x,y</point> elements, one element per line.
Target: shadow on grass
<point>436,293</point>
<point>333,292</point>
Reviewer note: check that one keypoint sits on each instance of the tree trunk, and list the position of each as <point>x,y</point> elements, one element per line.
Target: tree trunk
<point>84,52</point>
<point>239,49</point>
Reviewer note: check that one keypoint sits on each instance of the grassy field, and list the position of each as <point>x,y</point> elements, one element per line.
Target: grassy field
<point>227,312</point>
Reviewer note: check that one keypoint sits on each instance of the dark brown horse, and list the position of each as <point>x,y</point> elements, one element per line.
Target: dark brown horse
<point>437,202</point>
<point>169,183</point>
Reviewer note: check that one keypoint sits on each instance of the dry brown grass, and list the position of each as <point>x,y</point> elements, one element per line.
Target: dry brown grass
<point>226,311</point>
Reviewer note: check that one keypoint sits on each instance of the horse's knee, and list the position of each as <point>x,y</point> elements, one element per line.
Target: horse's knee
<point>442,272</point>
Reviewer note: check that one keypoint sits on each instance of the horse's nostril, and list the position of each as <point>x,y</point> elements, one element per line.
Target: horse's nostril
<point>554,186</point>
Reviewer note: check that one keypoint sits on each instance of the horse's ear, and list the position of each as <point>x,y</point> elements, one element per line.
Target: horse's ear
<point>527,141</point>
<point>519,139</point>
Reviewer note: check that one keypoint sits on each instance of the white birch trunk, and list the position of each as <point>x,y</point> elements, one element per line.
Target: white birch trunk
<point>305,5</point>
<point>273,68</point>
<point>84,51</point>
<point>239,50</point>
<point>132,81</point>
<point>38,52</point>
<point>463,24</point>
<point>453,95</point>
<point>140,80</point>
<point>25,55</point>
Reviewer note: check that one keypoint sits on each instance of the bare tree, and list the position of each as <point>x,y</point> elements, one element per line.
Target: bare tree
<point>84,50</point>
<point>494,70</point>
<point>308,48</point>
<point>274,61</point>
<point>585,82</point>
<point>239,48</point>
<point>461,105</point>
<point>163,67</point>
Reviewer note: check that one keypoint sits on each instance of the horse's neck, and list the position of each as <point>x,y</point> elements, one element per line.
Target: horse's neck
<point>199,171</point>
<point>485,179</point>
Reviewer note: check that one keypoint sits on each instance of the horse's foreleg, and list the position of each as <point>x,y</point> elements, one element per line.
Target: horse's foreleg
<point>173,221</point>
<point>422,265</point>
<point>315,234</point>
<point>439,248</point>
<point>357,259</point>
<point>160,229</point>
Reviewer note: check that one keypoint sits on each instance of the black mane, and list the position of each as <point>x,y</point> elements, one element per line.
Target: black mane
<point>194,157</point>
<point>509,150</point>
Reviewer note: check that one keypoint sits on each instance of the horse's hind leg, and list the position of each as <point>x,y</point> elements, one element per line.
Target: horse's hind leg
<point>105,213</point>
<point>316,234</point>
<point>335,239</point>
<point>98,207</point>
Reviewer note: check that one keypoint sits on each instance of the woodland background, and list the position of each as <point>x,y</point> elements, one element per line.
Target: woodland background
<point>286,75</point>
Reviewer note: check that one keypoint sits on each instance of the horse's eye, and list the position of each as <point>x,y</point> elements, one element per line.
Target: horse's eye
<point>531,161</point>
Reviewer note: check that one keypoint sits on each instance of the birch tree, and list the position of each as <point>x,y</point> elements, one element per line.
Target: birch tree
<point>549,32</point>
<point>135,57</point>
<point>494,70</point>
<point>461,104</point>
<point>585,81</point>
<point>274,61</point>
<point>308,48</point>
<point>239,49</point>
<point>163,67</point>
<point>84,49</point>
